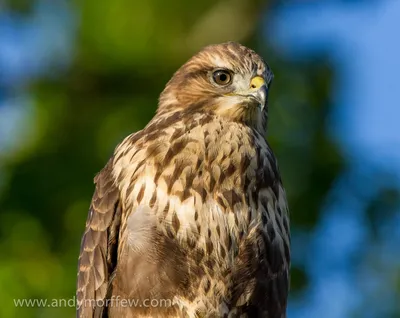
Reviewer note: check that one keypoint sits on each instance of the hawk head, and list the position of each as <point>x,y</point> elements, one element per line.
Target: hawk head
<point>228,79</point>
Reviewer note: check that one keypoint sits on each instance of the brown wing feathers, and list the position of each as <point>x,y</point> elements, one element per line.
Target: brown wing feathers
<point>99,244</point>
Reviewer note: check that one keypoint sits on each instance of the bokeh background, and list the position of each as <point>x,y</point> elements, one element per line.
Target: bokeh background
<point>78,76</point>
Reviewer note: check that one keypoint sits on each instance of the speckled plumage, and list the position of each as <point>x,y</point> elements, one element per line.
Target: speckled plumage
<point>191,209</point>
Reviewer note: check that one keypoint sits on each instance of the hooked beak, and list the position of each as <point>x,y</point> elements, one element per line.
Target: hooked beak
<point>259,90</point>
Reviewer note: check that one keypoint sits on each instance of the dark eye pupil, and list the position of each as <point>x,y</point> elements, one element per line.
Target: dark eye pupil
<point>222,77</point>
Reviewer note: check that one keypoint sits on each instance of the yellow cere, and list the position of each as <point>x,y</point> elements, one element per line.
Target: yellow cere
<point>257,82</point>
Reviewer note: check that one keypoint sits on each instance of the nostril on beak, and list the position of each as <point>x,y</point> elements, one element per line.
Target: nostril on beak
<point>256,82</point>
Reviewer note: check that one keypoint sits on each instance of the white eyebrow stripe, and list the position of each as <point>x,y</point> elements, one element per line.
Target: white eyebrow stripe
<point>216,60</point>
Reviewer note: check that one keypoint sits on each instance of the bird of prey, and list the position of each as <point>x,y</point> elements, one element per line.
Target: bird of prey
<point>189,217</point>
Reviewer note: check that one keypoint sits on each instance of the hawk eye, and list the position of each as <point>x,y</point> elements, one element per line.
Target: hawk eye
<point>222,77</point>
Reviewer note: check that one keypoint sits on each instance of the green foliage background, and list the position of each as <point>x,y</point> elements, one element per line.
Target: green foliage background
<point>124,53</point>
